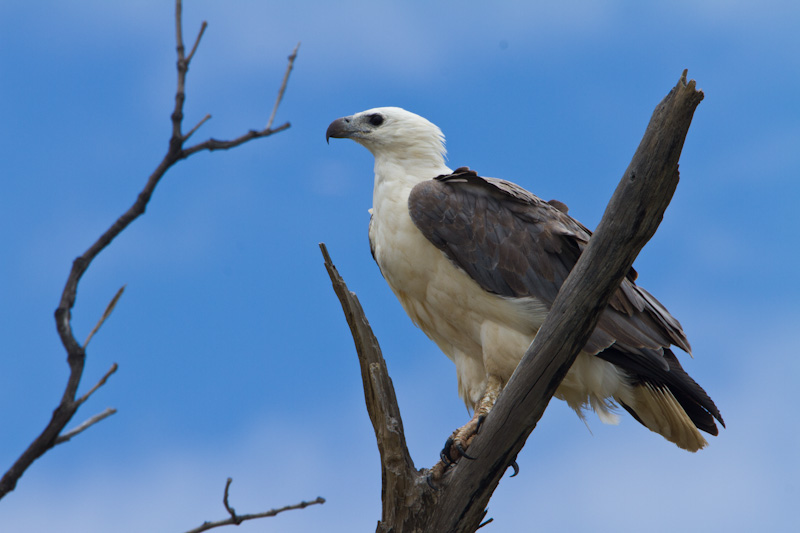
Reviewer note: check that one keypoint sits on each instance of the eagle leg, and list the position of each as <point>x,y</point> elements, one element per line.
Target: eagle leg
<point>457,444</point>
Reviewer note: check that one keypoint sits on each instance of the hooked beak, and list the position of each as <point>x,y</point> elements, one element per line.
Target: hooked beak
<point>339,129</point>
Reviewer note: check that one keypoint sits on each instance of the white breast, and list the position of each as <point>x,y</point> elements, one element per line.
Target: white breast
<point>481,332</point>
<point>453,310</point>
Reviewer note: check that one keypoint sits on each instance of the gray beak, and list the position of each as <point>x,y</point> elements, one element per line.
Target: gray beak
<point>339,129</point>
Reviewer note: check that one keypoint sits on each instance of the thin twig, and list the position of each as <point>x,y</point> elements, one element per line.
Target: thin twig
<point>183,66</point>
<point>245,517</point>
<point>106,314</point>
<point>90,422</point>
<point>289,67</point>
<point>179,27</point>
<point>231,510</point>
<point>203,27</point>
<point>197,127</point>
<point>98,384</point>
<point>235,519</point>
<point>214,144</point>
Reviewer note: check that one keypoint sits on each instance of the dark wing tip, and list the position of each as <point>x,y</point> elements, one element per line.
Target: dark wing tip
<point>694,400</point>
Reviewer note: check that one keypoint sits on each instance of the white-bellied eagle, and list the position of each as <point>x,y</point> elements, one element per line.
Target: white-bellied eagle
<point>477,262</point>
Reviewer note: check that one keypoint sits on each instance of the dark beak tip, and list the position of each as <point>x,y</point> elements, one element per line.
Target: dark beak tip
<point>338,129</point>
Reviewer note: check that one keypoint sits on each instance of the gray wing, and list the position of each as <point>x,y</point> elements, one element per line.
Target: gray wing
<point>516,245</point>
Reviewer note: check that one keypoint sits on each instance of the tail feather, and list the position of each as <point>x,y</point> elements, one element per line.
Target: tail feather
<point>658,410</point>
<point>694,400</point>
<point>667,400</point>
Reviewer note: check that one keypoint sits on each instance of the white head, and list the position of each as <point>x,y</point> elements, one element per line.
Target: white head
<point>393,133</point>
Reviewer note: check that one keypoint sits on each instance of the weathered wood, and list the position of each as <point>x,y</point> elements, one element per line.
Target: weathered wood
<point>400,481</point>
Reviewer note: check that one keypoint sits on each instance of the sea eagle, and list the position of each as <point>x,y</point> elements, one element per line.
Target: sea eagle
<point>477,262</point>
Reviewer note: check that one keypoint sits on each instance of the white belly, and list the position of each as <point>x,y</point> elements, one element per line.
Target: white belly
<point>481,332</point>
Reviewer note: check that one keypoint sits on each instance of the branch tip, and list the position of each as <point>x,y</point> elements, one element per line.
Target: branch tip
<point>231,511</point>
<point>203,27</point>
<point>109,308</point>
<point>97,385</point>
<point>197,127</point>
<point>83,427</point>
<point>282,89</point>
<point>325,254</point>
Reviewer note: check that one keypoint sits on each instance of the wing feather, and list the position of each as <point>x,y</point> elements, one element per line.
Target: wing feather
<point>516,245</point>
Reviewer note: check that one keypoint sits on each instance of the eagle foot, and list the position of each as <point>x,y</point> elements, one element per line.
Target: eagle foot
<point>436,473</point>
<point>457,443</point>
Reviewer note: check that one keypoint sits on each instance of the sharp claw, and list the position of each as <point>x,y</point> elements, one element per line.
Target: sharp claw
<point>515,466</point>
<point>444,455</point>
<point>429,480</point>
<point>463,452</point>
<point>480,423</point>
<point>445,458</point>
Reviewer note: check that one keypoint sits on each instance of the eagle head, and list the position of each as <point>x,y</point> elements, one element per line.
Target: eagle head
<point>391,131</point>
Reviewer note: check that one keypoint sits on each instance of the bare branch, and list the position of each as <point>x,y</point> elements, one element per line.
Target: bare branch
<point>235,519</point>
<point>289,67</point>
<point>92,421</point>
<point>398,474</point>
<point>214,144</point>
<point>106,314</point>
<point>179,28</point>
<point>183,67</point>
<point>76,354</point>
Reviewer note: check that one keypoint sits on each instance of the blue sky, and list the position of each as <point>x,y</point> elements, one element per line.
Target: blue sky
<point>234,357</point>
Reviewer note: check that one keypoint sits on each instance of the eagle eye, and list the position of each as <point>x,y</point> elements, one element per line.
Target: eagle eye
<point>376,119</point>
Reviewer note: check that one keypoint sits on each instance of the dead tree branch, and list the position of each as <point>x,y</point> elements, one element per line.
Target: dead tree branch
<point>235,519</point>
<point>630,220</point>
<point>76,353</point>
<point>399,476</point>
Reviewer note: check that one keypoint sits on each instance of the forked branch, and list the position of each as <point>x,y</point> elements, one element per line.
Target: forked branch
<point>76,353</point>
<point>236,519</point>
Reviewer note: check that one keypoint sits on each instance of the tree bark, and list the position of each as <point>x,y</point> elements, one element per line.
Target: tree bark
<point>630,220</point>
